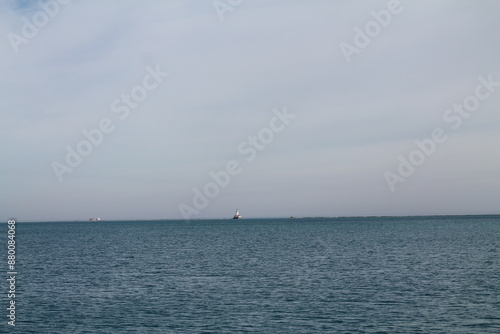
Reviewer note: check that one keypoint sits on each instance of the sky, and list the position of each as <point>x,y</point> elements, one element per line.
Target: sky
<point>192,109</point>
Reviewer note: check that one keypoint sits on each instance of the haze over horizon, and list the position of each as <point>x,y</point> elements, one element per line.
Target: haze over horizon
<point>162,109</point>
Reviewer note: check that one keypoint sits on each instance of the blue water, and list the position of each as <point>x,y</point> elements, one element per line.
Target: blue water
<point>344,275</point>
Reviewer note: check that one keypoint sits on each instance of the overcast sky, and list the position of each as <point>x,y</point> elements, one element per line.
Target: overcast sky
<point>355,106</point>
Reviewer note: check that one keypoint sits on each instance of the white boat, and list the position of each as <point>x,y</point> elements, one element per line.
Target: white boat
<point>94,219</point>
<point>237,215</point>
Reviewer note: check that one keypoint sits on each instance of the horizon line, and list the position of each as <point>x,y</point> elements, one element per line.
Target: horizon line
<point>280,217</point>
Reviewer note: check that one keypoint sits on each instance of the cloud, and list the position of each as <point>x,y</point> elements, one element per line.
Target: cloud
<point>354,120</point>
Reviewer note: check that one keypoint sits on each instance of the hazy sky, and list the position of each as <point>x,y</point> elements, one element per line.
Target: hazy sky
<point>186,88</point>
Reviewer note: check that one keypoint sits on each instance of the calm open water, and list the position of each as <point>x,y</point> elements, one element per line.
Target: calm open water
<point>345,275</point>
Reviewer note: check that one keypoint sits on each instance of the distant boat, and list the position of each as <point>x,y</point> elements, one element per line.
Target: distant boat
<point>94,219</point>
<point>237,215</point>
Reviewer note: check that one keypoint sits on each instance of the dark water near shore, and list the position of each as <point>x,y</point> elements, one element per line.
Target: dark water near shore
<point>345,275</point>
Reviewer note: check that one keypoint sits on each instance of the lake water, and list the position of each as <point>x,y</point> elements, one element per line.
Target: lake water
<point>342,275</point>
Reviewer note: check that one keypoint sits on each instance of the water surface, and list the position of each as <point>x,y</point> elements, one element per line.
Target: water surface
<point>343,275</point>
